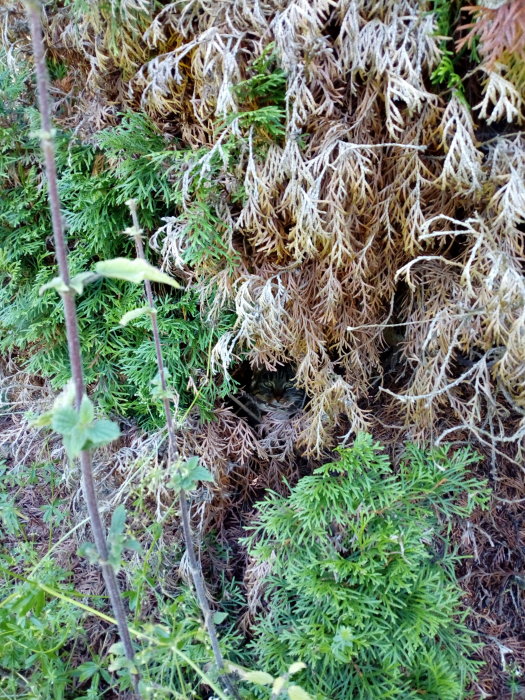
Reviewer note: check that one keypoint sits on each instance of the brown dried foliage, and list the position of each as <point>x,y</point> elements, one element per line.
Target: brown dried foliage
<point>493,577</point>
<point>386,211</point>
<point>500,29</point>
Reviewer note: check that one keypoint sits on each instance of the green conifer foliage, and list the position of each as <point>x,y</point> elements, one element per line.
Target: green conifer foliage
<point>132,160</point>
<point>361,587</point>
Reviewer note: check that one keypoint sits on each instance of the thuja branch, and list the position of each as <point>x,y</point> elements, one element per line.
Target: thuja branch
<point>173,456</point>
<point>70,315</point>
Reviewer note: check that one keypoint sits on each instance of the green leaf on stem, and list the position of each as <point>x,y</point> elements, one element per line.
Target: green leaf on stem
<point>102,432</point>
<point>219,617</point>
<point>118,520</point>
<point>136,313</point>
<point>64,420</point>
<point>296,667</point>
<point>75,440</point>
<point>187,474</point>
<point>79,429</point>
<point>135,271</point>
<point>44,420</point>
<point>88,551</point>
<point>118,541</point>
<point>56,283</point>
<point>87,411</point>
<point>78,282</point>
<point>258,677</point>
<point>278,686</point>
<point>297,693</point>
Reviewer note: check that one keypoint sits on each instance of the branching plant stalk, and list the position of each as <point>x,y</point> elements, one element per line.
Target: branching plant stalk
<point>173,454</point>
<point>70,315</point>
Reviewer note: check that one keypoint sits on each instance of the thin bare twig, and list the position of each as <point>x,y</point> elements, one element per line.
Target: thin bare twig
<point>73,341</point>
<point>173,455</point>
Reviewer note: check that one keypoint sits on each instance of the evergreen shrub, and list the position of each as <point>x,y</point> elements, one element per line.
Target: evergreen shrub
<point>362,587</point>
<point>132,160</point>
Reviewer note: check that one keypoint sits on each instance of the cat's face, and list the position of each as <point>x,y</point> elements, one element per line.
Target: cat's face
<point>276,392</point>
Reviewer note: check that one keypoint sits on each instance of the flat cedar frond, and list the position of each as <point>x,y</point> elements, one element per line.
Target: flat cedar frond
<point>278,435</point>
<point>260,306</point>
<point>502,99</point>
<point>254,580</point>
<point>507,171</point>
<point>498,34</point>
<point>326,409</point>
<point>462,167</point>
<point>500,30</point>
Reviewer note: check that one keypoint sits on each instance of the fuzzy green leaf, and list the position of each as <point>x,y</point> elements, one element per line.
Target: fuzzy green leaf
<point>135,313</point>
<point>66,396</point>
<point>157,391</point>
<point>297,693</point>
<point>78,282</point>
<point>135,271</point>
<point>118,520</point>
<point>87,411</point>
<point>200,473</point>
<point>88,551</point>
<point>64,420</point>
<point>219,617</point>
<point>56,283</point>
<point>132,544</point>
<point>42,421</point>
<point>278,686</point>
<point>296,667</point>
<point>102,432</point>
<point>75,440</point>
<point>187,474</point>
<point>258,677</point>
<point>191,464</point>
